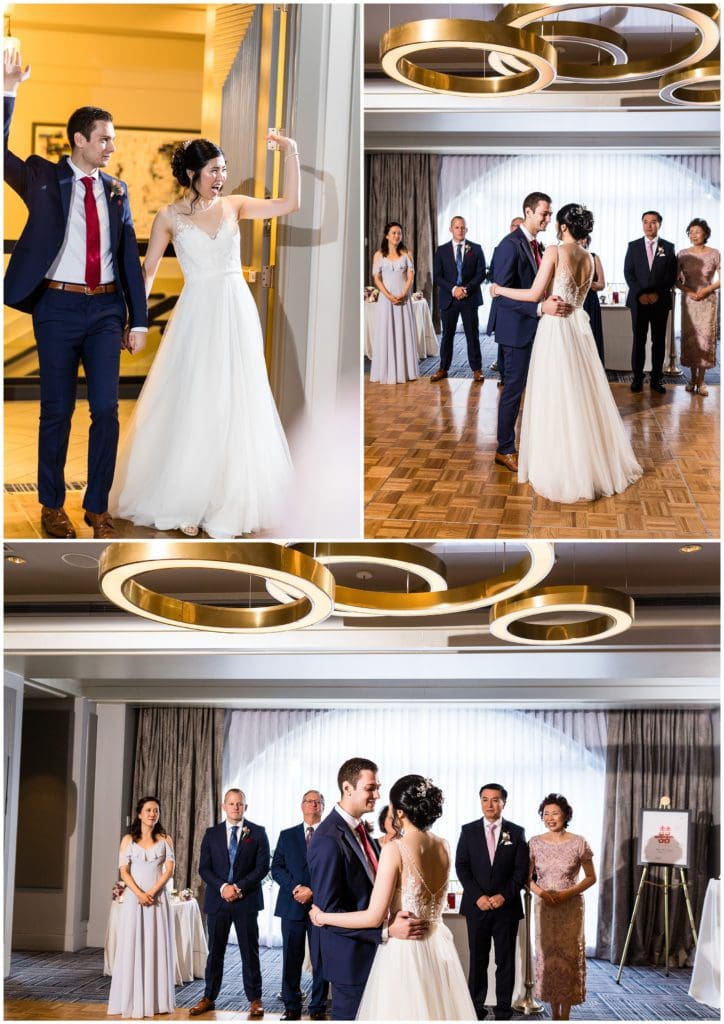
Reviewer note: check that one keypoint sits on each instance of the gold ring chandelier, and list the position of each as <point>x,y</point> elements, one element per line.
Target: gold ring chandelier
<point>307,591</point>
<point>528,62</point>
<point>684,88</point>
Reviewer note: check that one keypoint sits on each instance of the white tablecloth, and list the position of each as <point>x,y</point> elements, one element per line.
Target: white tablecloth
<point>458,926</point>
<point>191,946</point>
<point>427,343</point>
<point>705,984</point>
<point>618,337</point>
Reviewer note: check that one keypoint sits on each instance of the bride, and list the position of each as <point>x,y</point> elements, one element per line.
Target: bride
<point>573,444</point>
<point>420,980</point>
<point>204,447</point>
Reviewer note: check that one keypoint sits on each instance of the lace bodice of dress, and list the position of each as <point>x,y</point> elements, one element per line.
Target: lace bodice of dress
<point>573,274</point>
<point>203,255</point>
<point>413,894</point>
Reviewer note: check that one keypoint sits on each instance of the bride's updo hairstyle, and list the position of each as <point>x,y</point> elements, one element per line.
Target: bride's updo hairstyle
<point>192,155</point>
<point>419,799</point>
<point>577,218</point>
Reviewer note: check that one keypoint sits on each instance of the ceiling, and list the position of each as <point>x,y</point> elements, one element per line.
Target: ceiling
<point>63,639</point>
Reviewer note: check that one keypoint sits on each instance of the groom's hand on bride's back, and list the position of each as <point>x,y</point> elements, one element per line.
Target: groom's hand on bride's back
<point>407,926</point>
<point>555,306</point>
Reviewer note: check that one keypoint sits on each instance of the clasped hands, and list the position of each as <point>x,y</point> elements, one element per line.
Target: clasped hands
<point>147,899</point>
<point>648,299</point>
<point>302,894</point>
<point>233,895</point>
<point>554,896</point>
<point>490,902</point>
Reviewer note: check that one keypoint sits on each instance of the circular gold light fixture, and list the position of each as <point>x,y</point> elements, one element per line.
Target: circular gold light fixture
<point>703,17</point>
<point>417,37</point>
<point>610,612</point>
<point>611,45</point>
<point>527,572</point>
<point>684,88</point>
<point>689,549</point>
<point>122,565</point>
<point>407,558</point>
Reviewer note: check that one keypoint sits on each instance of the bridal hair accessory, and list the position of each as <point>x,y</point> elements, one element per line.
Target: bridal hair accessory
<point>580,210</point>
<point>186,144</point>
<point>423,788</point>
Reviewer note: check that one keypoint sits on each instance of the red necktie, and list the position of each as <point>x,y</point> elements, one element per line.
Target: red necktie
<point>92,237</point>
<point>367,846</point>
<point>536,252</point>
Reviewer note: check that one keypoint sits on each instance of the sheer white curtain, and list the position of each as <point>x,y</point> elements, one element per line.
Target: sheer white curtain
<point>618,187</point>
<point>274,756</point>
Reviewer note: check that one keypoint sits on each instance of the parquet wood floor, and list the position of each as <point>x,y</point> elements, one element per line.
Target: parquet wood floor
<point>36,1009</point>
<point>429,469</point>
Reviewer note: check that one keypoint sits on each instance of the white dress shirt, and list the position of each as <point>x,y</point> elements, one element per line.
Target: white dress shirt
<point>69,264</point>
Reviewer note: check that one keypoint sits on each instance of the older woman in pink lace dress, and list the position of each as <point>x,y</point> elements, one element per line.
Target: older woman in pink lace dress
<point>556,860</point>
<point>698,279</point>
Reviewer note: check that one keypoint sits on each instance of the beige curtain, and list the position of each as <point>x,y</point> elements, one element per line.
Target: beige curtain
<point>653,754</point>
<point>179,755</point>
<point>403,187</point>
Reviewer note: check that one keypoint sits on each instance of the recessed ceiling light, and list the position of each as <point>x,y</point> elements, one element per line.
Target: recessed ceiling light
<point>80,561</point>
<point>15,559</point>
<point>689,549</point>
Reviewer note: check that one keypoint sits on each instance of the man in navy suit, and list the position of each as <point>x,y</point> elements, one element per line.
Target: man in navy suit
<point>650,272</point>
<point>342,864</point>
<point>291,873</point>
<point>76,269</point>
<point>514,323</point>
<point>458,272</point>
<point>234,861</point>
<point>492,865</point>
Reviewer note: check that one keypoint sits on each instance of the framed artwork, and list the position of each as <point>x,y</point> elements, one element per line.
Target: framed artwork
<point>142,159</point>
<point>664,837</point>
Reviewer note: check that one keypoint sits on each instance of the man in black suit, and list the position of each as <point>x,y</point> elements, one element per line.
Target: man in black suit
<point>650,272</point>
<point>234,861</point>
<point>458,272</point>
<point>492,865</point>
<point>291,873</point>
<point>499,364</point>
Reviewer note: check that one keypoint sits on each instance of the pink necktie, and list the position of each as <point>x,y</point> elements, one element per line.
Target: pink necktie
<point>491,842</point>
<point>650,251</point>
<point>92,237</point>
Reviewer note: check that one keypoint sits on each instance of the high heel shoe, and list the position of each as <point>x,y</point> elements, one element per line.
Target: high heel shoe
<point>190,531</point>
<point>702,390</point>
<point>691,386</point>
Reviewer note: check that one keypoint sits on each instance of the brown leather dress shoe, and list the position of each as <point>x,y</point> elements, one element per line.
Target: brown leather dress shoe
<point>510,461</point>
<point>103,528</point>
<point>256,1009</point>
<point>478,376</point>
<point>438,375</point>
<point>203,1006</point>
<point>56,523</point>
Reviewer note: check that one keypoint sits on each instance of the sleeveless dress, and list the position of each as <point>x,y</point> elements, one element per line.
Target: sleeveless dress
<point>394,356</point>
<point>573,444</point>
<point>205,446</point>
<point>144,968</point>
<point>560,959</point>
<point>421,979</point>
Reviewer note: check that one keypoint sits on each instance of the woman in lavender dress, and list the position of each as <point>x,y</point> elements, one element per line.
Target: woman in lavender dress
<point>698,280</point>
<point>144,966</point>
<point>556,860</point>
<point>394,357</point>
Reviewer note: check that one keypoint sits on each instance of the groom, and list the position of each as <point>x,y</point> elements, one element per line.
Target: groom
<point>343,863</point>
<point>76,269</point>
<point>514,323</point>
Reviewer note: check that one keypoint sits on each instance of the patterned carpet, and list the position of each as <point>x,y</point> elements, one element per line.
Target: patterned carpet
<point>644,993</point>
<point>460,367</point>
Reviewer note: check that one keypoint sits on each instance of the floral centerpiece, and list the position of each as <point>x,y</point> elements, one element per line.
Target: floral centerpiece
<point>371,294</point>
<point>185,895</point>
<point>117,891</point>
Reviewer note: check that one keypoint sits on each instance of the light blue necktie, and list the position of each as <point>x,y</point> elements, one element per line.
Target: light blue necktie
<point>459,263</point>
<point>232,852</point>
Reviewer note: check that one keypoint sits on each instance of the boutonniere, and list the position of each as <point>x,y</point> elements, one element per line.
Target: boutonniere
<point>660,251</point>
<point>245,834</point>
<point>117,190</point>
<point>541,248</point>
<point>466,250</point>
<point>505,839</point>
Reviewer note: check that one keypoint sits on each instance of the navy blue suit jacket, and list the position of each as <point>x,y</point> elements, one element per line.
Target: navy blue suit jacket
<point>514,323</point>
<point>46,189</point>
<point>507,876</point>
<point>445,273</point>
<point>340,882</point>
<point>289,869</point>
<point>250,868</point>
<point>660,279</point>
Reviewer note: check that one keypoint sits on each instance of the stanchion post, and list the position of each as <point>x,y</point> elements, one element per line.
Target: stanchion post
<point>528,1005</point>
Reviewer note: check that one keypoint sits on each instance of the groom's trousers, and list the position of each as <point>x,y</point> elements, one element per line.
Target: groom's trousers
<point>516,361</point>
<point>73,330</point>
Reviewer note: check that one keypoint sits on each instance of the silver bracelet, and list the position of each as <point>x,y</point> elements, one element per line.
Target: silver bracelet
<point>294,152</point>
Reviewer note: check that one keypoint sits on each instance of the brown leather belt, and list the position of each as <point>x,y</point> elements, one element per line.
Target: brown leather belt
<point>82,289</point>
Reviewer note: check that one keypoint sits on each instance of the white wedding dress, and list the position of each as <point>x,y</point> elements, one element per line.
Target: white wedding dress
<point>573,444</point>
<point>417,979</point>
<point>204,446</point>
